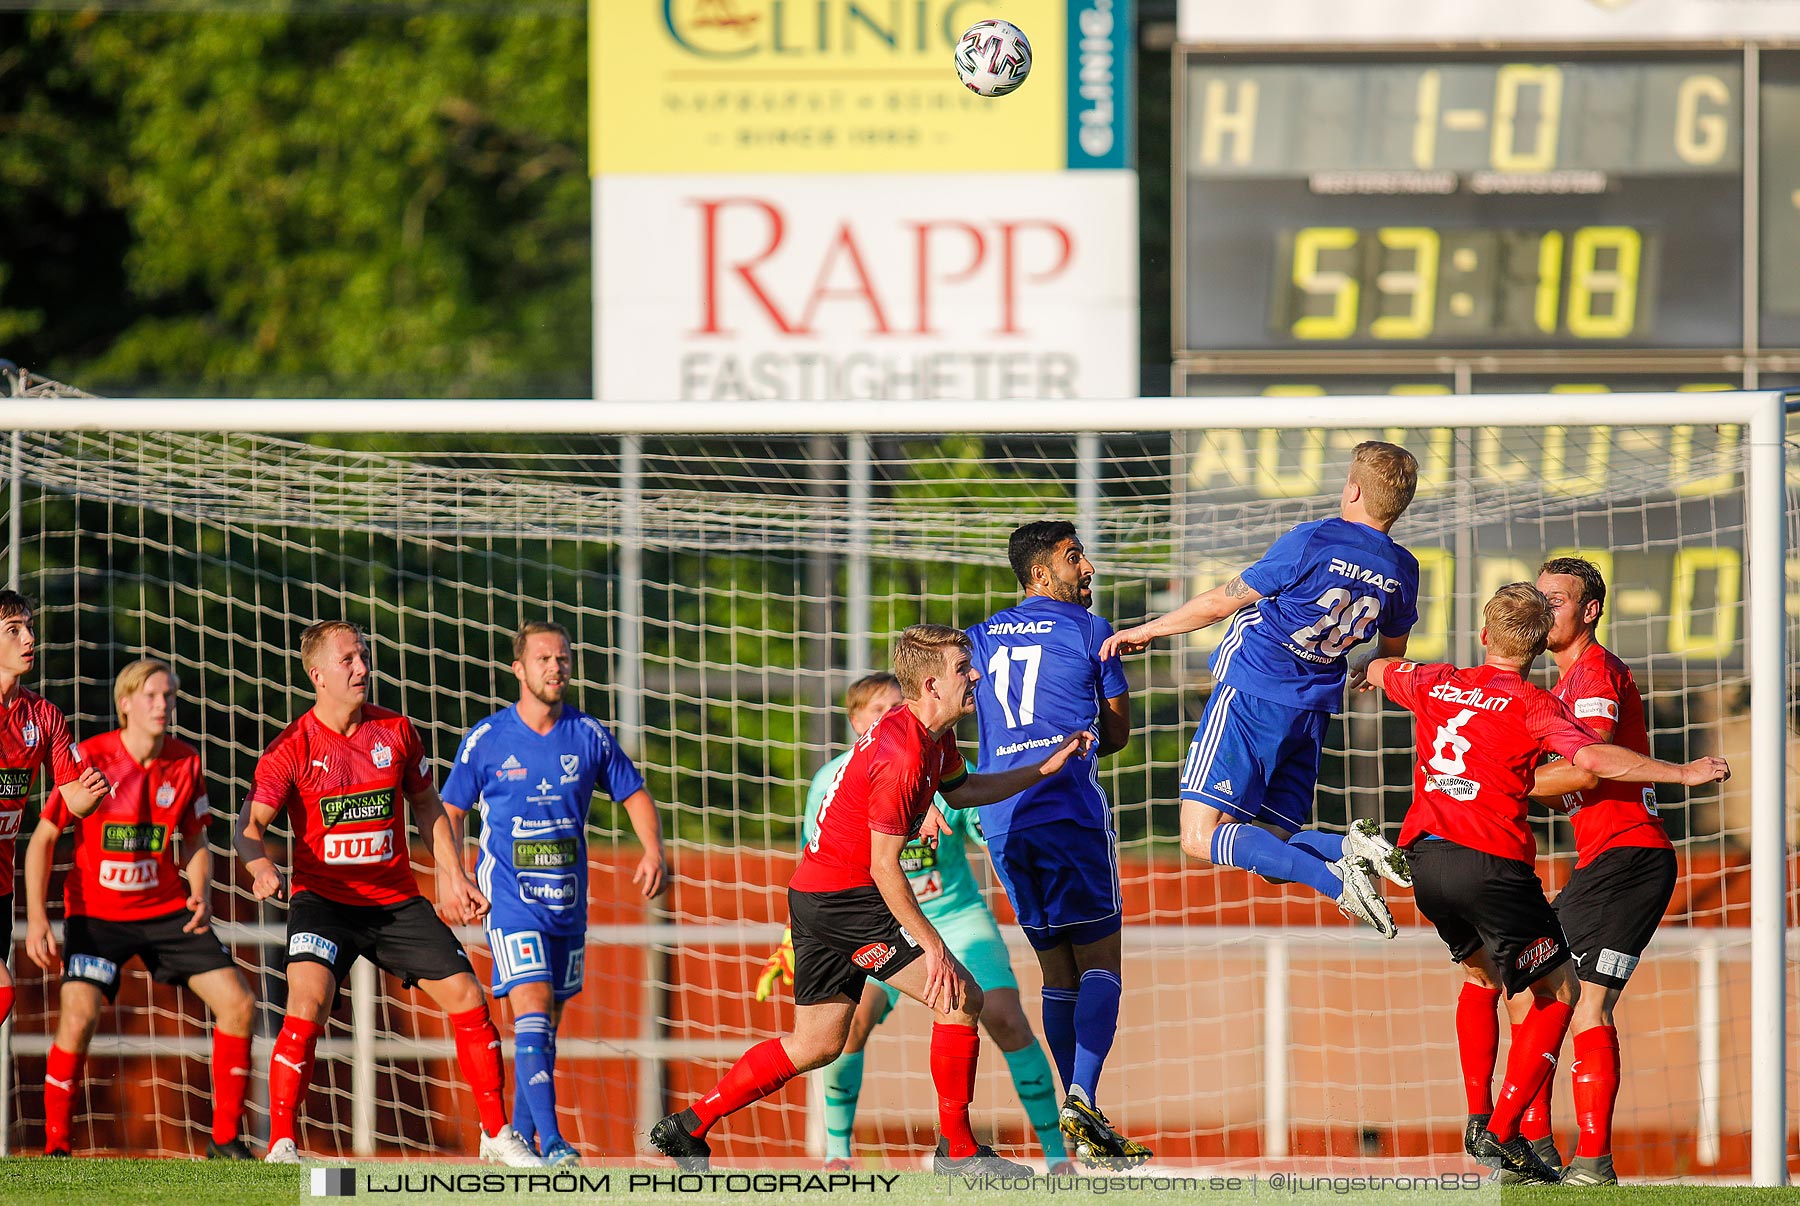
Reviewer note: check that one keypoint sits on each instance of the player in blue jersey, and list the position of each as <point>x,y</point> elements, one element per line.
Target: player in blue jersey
<point>948,895</point>
<point>532,769</point>
<point>1323,588</point>
<point>1053,845</point>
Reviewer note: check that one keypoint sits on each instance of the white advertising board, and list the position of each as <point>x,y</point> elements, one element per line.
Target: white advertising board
<point>798,287</point>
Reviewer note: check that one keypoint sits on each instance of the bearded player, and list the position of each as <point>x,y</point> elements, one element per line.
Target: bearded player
<point>1480,734</point>
<point>1053,845</point>
<point>1623,880</point>
<point>339,772</point>
<point>131,895</point>
<point>1325,587</point>
<point>532,769</point>
<point>853,913</point>
<point>33,734</point>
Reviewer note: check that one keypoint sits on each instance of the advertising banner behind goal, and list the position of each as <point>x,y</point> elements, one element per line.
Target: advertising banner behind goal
<point>802,201</point>
<point>837,86</point>
<point>908,286</point>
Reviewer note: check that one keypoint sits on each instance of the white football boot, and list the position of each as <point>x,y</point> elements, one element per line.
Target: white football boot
<point>505,1147</point>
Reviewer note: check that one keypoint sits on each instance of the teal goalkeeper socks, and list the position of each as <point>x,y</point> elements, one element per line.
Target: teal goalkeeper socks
<point>843,1085</point>
<point>1037,1093</point>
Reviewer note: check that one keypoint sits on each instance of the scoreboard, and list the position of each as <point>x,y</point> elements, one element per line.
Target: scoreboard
<point>1524,219</point>
<point>1413,212</point>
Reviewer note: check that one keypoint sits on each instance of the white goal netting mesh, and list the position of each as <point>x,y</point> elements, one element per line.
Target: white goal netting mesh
<point>715,588</point>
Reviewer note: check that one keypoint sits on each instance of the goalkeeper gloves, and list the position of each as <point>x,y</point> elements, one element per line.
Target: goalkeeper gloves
<point>780,966</point>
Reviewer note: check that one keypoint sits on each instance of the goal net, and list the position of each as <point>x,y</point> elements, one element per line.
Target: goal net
<point>723,590</point>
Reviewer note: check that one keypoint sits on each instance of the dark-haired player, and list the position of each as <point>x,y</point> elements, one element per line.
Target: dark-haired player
<point>33,734</point>
<point>1053,845</point>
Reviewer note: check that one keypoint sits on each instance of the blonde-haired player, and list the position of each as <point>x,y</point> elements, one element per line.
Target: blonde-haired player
<point>853,914</point>
<point>1322,589</point>
<point>132,895</point>
<point>1481,733</point>
<point>341,772</point>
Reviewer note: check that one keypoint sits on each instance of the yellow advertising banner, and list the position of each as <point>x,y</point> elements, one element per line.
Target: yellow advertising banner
<point>721,86</point>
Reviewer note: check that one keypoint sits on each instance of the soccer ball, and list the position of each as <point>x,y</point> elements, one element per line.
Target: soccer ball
<point>993,58</point>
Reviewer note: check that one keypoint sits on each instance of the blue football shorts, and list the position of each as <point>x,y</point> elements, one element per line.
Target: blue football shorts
<point>1063,880</point>
<point>524,956</point>
<point>1256,760</point>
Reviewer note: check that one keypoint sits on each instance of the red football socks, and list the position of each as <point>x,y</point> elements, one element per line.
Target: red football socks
<point>231,1077</point>
<point>953,1053</point>
<point>6,1002</point>
<point>1596,1084</point>
<point>1531,1062</point>
<point>290,1071</point>
<point>758,1073</point>
<point>62,1076</point>
<point>1534,1123</point>
<point>1477,1042</point>
<point>478,1054</point>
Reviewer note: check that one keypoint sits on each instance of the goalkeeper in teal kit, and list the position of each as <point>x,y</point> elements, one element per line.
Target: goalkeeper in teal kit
<point>947,892</point>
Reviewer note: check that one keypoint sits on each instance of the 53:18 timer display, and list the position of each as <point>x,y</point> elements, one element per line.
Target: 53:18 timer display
<point>1422,283</point>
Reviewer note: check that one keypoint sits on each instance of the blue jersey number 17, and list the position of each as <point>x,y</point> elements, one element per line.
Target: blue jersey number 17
<point>1000,670</point>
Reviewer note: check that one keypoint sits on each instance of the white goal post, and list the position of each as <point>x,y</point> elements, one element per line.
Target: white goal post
<point>1760,417</point>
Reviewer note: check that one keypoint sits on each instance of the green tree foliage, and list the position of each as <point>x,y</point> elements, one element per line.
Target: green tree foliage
<point>330,204</point>
<point>62,242</point>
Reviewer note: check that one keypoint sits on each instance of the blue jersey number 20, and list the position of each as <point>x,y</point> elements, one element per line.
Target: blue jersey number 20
<point>1346,621</point>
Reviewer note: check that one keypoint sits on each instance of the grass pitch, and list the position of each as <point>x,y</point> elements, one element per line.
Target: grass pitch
<point>103,1182</point>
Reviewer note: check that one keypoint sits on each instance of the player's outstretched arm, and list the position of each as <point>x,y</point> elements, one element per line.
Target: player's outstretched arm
<point>1375,673</point>
<point>1617,762</point>
<point>1199,612</point>
<point>457,896</point>
<point>266,879</point>
<point>652,873</point>
<point>976,790</point>
<point>40,943</point>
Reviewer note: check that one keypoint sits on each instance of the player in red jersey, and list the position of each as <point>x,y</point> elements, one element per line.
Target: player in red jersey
<point>853,913</point>
<point>1624,873</point>
<point>126,898</point>
<point>1481,733</point>
<point>33,733</point>
<point>339,772</point>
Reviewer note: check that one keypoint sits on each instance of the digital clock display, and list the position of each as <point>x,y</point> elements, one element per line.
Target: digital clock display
<point>1500,200</point>
<point>1417,283</point>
